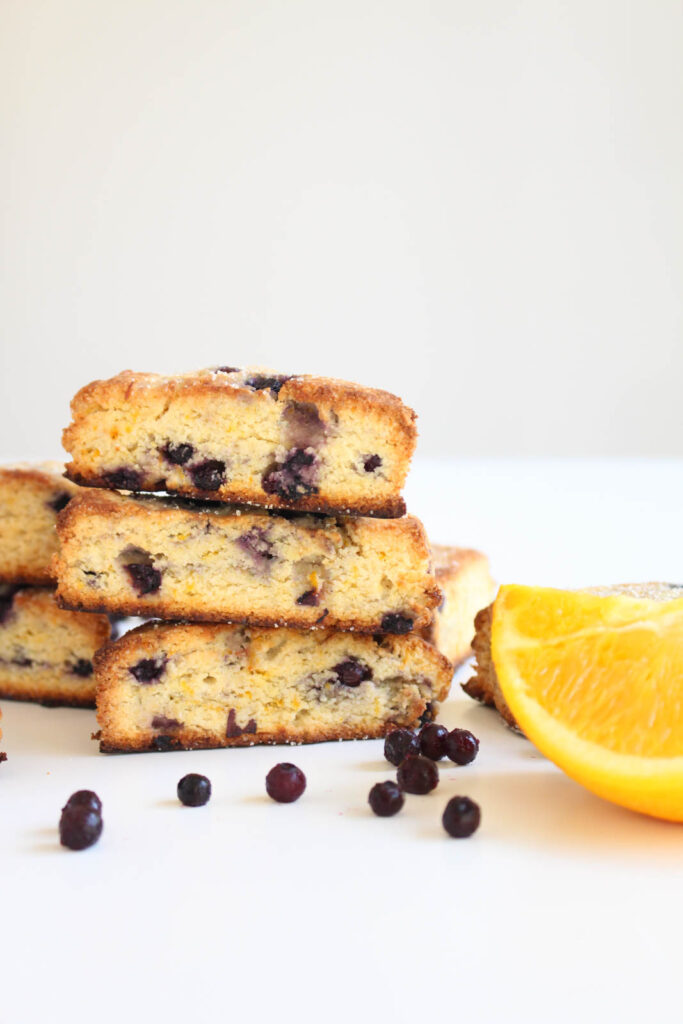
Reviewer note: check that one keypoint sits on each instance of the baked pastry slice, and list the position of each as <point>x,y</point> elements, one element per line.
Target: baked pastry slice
<point>31,495</point>
<point>484,685</point>
<point>248,436</point>
<point>217,563</point>
<point>464,577</point>
<point>46,654</point>
<point>184,685</point>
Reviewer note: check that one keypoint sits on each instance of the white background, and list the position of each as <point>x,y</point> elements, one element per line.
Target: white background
<point>474,203</point>
<point>561,909</point>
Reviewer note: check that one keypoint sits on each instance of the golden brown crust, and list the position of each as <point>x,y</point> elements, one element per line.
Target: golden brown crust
<point>391,509</point>
<point>484,685</point>
<point>129,516</point>
<point>45,696</point>
<point>188,739</point>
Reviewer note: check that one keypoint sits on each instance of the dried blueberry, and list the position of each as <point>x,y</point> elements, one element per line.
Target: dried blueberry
<point>261,382</point>
<point>22,661</point>
<point>371,463</point>
<point>83,668</point>
<point>163,742</point>
<point>462,817</point>
<point>79,826</point>
<point>285,783</point>
<point>433,741</point>
<point>7,593</point>
<point>461,746</point>
<point>148,670</point>
<point>177,454</point>
<point>352,672</point>
<point>145,578</point>
<point>310,598</point>
<point>386,799</point>
<point>3,756</point>
<point>296,477</point>
<point>233,729</point>
<point>227,369</point>
<point>255,543</point>
<point>399,744</point>
<point>162,722</point>
<point>60,501</point>
<point>392,622</point>
<point>85,798</point>
<point>194,790</point>
<point>124,479</point>
<point>208,475</point>
<point>305,428</point>
<point>417,774</point>
<point>429,713</point>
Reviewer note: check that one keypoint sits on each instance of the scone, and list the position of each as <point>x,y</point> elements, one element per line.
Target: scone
<point>464,577</point>
<point>183,686</point>
<point>31,495</point>
<point>46,654</point>
<point>217,563</point>
<point>247,436</point>
<point>484,686</point>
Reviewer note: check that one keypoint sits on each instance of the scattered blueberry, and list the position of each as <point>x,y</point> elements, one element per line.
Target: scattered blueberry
<point>371,463</point>
<point>310,598</point>
<point>399,744</point>
<point>144,578</point>
<point>461,817</point>
<point>177,454</point>
<point>285,783</point>
<point>60,501</point>
<point>3,756</point>
<point>386,799</point>
<point>392,622</point>
<point>84,798</point>
<point>461,746</point>
<point>433,741</point>
<point>194,790</point>
<point>352,672</point>
<point>80,826</point>
<point>148,670</point>
<point>295,477</point>
<point>82,668</point>
<point>418,775</point>
<point>124,479</point>
<point>208,475</point>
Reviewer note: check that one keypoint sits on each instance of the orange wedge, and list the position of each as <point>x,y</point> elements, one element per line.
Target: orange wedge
<point>596,683</point>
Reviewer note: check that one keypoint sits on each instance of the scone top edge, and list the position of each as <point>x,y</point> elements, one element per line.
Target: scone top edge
<point>124,385</point>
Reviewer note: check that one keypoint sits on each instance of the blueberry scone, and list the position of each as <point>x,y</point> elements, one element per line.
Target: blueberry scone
<point>217,563</point>
<point>484,686</point>
<point>46,654</point>
<point>31,495</point>
<point>464,578</point>
<point>170,686</point>
<point>247,436</point>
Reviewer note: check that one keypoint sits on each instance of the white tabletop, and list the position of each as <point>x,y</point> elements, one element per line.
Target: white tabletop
<point>561,908</point>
